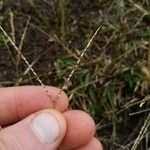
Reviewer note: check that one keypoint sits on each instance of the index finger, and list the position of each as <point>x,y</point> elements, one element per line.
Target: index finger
<point>18,102</point>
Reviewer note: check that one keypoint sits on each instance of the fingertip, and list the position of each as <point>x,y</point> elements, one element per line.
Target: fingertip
<point>80,129</point>
<point>93,144</point>
<point>97,143</point>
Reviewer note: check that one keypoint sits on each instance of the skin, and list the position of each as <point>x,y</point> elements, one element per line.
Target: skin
<point>17,103</point>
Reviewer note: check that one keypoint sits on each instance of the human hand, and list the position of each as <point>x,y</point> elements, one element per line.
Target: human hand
<point>31,122</point>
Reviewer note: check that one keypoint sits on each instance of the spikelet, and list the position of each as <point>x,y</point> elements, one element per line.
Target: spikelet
<point>78,62</point>
<point>27,63</point>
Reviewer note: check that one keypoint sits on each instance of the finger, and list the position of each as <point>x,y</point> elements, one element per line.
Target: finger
<point>18,102</point>
<point>80,129</point>
<point>42,130</point>
<point>93,144</point>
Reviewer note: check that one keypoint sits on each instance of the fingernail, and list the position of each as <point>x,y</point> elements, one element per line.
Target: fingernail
<point>46,127</point>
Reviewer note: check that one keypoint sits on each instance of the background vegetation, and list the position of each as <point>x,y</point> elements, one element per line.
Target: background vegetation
<point>112,81</point>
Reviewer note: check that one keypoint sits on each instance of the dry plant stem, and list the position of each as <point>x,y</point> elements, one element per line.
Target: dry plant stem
<point>139,112</point>
<point>27,63</point>
<point>12,26</point>
<point>142,132</point>
<point>140,8</point>
<point>114,143</point>
<point>130,104</point>
<point>78,62</point>
<point>13,59</point>
<point>25,73</point>
<point>20,47</point>
<point>147,98</point>
<point>23,36</point>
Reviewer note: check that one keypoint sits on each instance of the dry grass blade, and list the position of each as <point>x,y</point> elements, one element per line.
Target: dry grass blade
<point>22,40</point>
<point>12,26</point>
<point>1,5</point>
<point>142,132</point>
<point>78,62</point>
<point>139,7</point>
<point>24,33</point>
<point>27,63</point>
<point>139,112</point>
<point>13,59</point>
<point>26,72</point>
<point>116,144</point>
<point>20,47</point>
<point>147,98</point>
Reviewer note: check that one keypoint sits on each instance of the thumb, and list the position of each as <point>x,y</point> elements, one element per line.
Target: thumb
<point>42,130</point>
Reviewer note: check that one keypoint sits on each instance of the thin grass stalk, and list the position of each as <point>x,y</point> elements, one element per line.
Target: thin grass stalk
<point>27,63</point>
<point>142,132</point>
<point>78,62</point>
